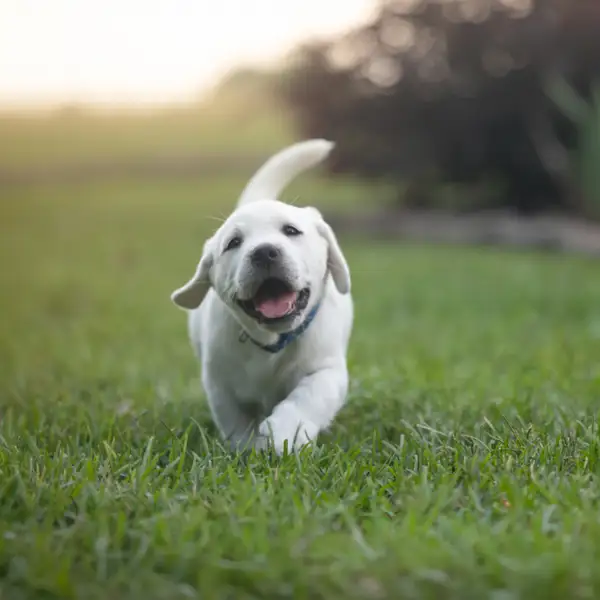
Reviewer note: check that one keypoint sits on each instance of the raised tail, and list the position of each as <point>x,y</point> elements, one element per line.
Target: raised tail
<point>270,179</point>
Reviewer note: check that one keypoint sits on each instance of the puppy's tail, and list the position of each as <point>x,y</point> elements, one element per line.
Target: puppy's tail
<point>268,182</point>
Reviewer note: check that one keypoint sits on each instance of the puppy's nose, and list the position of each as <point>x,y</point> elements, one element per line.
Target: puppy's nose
<point>265,255</point>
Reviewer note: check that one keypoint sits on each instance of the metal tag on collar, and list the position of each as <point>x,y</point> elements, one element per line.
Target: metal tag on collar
<point>243,337</point>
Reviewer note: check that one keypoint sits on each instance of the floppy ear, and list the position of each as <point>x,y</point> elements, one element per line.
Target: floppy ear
<point>192,293</point>
<point>338,267</point>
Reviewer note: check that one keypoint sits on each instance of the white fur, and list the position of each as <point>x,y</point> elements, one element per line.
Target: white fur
<point>255,396</point>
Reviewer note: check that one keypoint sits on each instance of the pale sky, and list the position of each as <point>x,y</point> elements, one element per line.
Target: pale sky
<point>151,51</point>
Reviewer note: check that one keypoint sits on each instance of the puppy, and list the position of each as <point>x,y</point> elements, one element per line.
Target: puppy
<point>271,313</point>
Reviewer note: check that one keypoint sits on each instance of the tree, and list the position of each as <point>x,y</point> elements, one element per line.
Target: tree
<point>435,91</point>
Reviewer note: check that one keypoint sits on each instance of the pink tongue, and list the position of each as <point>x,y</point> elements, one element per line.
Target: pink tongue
<point>274,308</point>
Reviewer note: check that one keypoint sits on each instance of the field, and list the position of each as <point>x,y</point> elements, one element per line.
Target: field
<point>465,464</point>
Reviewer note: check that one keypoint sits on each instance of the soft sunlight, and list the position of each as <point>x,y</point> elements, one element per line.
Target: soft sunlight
<point>149,51</point>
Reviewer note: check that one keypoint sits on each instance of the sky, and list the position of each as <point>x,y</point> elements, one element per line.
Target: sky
<point>149,51</point>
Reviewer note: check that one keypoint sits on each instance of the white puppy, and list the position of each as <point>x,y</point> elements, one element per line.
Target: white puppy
<point>272,313</point>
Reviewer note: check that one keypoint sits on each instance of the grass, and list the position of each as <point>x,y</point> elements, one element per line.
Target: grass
<point>77,137</point>
<point>465,464</point>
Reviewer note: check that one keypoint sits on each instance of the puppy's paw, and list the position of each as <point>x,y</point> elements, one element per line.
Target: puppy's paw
<point>285,425</point>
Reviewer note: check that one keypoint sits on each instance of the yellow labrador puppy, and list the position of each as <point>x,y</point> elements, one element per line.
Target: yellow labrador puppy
<point>271,313</point>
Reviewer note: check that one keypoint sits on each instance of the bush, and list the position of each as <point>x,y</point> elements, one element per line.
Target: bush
<point>434,92</point>
<point>585,159</point>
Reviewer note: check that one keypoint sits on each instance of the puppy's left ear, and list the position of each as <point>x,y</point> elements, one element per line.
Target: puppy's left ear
<point>190,295</point>
<point>338,267</point>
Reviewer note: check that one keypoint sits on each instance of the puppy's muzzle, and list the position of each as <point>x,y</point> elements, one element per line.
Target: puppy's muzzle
<point>265,256</point>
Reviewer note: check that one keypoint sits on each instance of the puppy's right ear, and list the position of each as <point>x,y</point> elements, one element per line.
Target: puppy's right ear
<point>338,267</point>
<point>190,295</point>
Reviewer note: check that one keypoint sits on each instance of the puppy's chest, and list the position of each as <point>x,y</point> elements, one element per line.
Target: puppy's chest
<point>261,379</point>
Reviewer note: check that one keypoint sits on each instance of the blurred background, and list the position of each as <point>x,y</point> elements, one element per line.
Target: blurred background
<point>458,105</point>
<point>455,120</point>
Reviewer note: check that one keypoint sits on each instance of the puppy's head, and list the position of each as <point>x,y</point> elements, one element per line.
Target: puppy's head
<point>269,263</point>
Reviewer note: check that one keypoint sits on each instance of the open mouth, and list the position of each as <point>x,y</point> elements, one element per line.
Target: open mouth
<point>275,300</point>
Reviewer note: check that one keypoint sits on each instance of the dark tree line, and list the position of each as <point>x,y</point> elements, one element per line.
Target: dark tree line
<point>434,91</point>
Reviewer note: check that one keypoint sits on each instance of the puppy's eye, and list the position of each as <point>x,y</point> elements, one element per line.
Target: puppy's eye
<point>290,230</point>
<point>234,242</point>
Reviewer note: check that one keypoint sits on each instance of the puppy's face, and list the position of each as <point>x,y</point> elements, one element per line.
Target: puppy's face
<point>269,263</point>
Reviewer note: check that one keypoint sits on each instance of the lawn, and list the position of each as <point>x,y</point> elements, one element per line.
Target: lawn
<point>465,464</point>
<point>229,124</point>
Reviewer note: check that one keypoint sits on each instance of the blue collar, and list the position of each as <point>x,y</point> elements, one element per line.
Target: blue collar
<point>285,339</point>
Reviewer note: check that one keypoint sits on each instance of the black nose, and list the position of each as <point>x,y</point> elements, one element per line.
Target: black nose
<point>265,255</point>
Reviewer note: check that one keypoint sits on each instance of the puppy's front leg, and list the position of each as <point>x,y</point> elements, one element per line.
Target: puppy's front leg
<point>309,409</point>
<point>237,427</point>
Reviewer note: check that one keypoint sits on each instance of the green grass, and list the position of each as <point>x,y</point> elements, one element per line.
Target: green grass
<point>465,464</point>
<point>252,125</point>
